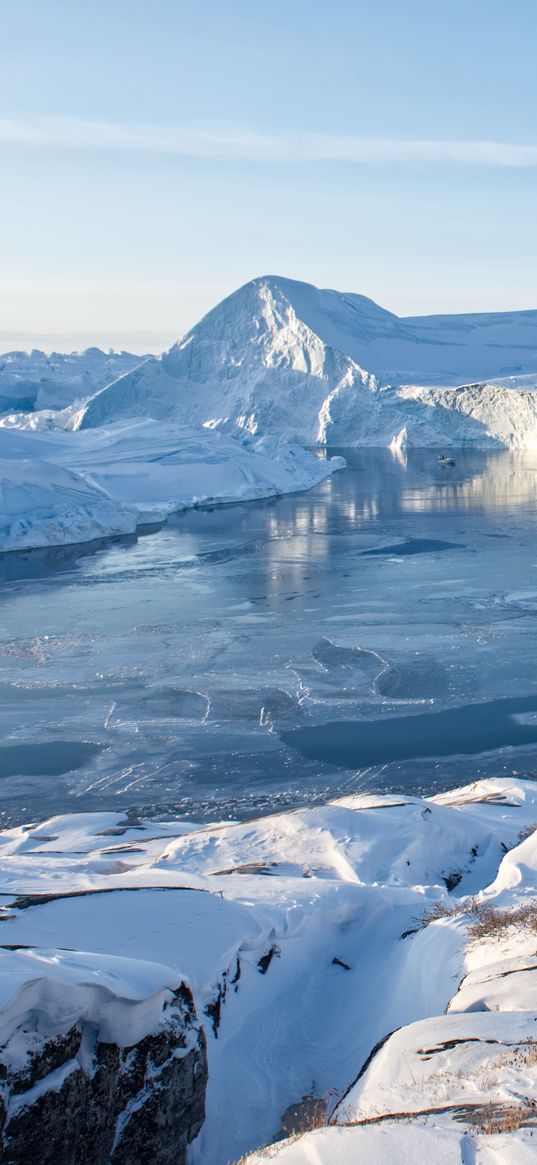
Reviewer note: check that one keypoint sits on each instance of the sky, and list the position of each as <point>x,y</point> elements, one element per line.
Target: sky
<point>156,154</point>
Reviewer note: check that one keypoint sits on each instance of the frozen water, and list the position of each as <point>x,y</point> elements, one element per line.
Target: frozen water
<point>396,603</point>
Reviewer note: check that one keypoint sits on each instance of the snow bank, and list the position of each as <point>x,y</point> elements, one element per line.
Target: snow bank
<point>396,1143</point>
<point>446,1062</point>
<point>61,487</point>
<point>123,998</point>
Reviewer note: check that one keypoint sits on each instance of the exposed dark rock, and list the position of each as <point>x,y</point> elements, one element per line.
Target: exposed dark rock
<point>79,1101</point>
<point>213,1008</point>
<point>42,1060</point>
<point>264,962</point>
<point>235,980</point>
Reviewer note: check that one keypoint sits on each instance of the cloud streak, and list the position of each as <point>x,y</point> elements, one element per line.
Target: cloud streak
<point>222,140</point>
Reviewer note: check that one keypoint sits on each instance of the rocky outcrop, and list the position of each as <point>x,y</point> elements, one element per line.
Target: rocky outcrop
<point>73,1099</point>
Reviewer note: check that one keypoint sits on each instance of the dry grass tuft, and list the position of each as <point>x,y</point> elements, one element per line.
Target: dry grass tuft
<point>441,910</point>
<point>502,1118</point>
<point>455,909</point>
<point>519,1056</point>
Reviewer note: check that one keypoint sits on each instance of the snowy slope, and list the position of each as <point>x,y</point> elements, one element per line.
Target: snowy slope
<point>302,938</point>
<point>37,380</point>
<point>251,364</point>
<point>442,349</point>
<point>279,356</point>
<point>60,487</point>
<point>399,1143</point>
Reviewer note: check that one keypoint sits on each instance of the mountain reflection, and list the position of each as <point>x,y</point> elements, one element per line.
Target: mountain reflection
<point>379,485</point>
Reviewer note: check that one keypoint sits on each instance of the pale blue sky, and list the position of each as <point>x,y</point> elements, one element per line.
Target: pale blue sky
<point>155,154</point>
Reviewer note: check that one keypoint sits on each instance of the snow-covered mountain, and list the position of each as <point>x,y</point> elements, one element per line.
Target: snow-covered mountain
<point>315,366</point>
<point>251,365</point>
<point>35,380</point>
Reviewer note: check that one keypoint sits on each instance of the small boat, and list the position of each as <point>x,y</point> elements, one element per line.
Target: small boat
<point>446,460</point>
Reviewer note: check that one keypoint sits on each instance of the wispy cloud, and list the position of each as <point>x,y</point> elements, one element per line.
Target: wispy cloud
<point>226,141</point>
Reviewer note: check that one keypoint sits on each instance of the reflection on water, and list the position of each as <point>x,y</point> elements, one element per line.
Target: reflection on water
<point>397,598</point>
<point>379,485</point>
<point>48,560</point>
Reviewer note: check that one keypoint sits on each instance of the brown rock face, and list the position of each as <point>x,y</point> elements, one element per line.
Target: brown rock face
<point>78,1101</point>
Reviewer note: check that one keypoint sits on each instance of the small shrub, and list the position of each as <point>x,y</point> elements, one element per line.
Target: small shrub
<point>308,1114</point>
<point>440,910</point>
<point>443,909</point>
<point>528,831</point>
<point>486,921</point>
<point>491,922</point>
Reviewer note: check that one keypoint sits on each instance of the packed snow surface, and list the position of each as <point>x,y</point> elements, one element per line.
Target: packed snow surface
<point>60,487</point>
<point>306,940</point>
<point>286,358</point>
